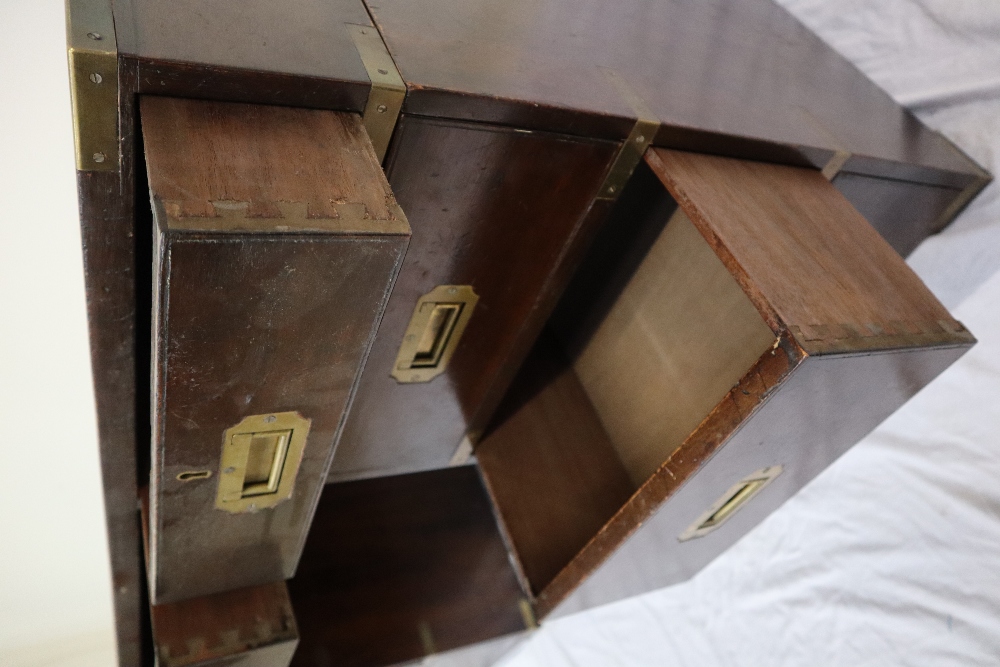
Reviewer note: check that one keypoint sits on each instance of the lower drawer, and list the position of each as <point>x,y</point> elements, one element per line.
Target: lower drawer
<point>736,327</point>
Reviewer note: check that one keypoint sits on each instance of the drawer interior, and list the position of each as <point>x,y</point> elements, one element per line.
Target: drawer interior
<point>649,338</point>
<point>712,282</point>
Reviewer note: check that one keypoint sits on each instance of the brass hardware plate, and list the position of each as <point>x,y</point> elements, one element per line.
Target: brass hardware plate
<point>93,73</point>
<point>527,614</point>
<point>736,497</point>
<point>260,459</point>
<point>388,90</point>
<point>635,145</point>
<point>437,324</point>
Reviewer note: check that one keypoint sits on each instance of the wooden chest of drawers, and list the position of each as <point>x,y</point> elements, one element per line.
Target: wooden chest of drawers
<point>628,277</point>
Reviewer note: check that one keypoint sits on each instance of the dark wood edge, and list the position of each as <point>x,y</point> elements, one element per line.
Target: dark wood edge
<point>695,140</point>
<point>740,404</point>
<point>230,84</point>
<point>571,257</point>
<point>520,114</point>
<point>508,542</point>
<point>847,339</point>
<point>707,232</point>
<point>461,106</point>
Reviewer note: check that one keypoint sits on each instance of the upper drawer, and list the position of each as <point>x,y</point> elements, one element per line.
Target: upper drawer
<point>276,244</point>
<point>735,327</point>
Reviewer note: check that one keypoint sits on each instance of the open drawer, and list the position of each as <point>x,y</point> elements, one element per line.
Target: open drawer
<point>276,244</point>
<point>733,330</point>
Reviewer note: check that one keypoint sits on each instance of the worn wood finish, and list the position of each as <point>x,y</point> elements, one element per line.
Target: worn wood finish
<point>884,202</point>
<point>277,242</point>
<point>713,72</point>
<point>835,269</point>
<point>257,52</point>
<point>250,627</point>
<point>839,301</point>
<point>824,407</point>
<point>226,84</point>
<point>679,336</point>
<point>490,207</point>
<point>724,79</point>
<point>106,227</point>
<point>209,161</point>
<point>551,469</point>
<point>113,252</point>
<point>399,567</point>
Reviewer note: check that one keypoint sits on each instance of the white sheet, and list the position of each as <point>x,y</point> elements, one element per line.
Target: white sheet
<point>892,555</point>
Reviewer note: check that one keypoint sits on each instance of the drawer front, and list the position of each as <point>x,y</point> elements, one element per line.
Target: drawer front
<point>735,327</point>
<point>493,210</point>
<point>276,244</point>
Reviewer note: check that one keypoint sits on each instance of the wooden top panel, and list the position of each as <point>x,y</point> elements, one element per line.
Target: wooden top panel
<point>707,68</point>
<point>264,168</point>
<point>801,252</point>
<point>308,38</point>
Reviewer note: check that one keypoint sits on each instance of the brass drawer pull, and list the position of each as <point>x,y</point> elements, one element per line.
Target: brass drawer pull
<point>260,459</point>
<point>436,326</point>
<point>736,497</point>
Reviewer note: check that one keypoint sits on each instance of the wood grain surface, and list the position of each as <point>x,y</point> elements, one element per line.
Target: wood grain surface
<point>106,219</point>
<point>839,301</point>
<point>679,336</point>
<point>490,207</point>
<point>802,253</point>
<point>251,627</point>
<point>276,245</point>
<point>549,465</point>
<point>219,161</point>
<point>814,416</point>
<point>400,567</point>
<point>737,78</point>
<point>252,51</point>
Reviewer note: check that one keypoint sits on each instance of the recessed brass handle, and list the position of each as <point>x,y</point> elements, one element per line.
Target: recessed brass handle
<point>436,326</point>
<point>260,459</point>
<point>737,496</point>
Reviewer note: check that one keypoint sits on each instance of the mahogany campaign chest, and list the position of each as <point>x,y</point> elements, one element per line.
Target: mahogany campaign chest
<point>414,324</point>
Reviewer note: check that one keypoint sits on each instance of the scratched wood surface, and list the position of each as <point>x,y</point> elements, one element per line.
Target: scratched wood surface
<point>836,300</point>
<point>276,244</point>
<point>263,162</point>
<point>251,627</point>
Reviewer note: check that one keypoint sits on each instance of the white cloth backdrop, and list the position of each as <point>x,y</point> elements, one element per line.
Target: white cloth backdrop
<point>891,556</point>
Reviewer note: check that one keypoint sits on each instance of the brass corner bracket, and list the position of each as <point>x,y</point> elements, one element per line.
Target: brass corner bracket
<point>385,100</point>
<point>635,145</point>
<point>92,50</point>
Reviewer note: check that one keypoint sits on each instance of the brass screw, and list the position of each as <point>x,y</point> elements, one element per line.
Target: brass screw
<point>383,71</point>
<point>640,139</point>
<point>96,36</point>
<point>99,157</point>
<point>269,419</point>
<point>381,108</point>
<point>96,78</point>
